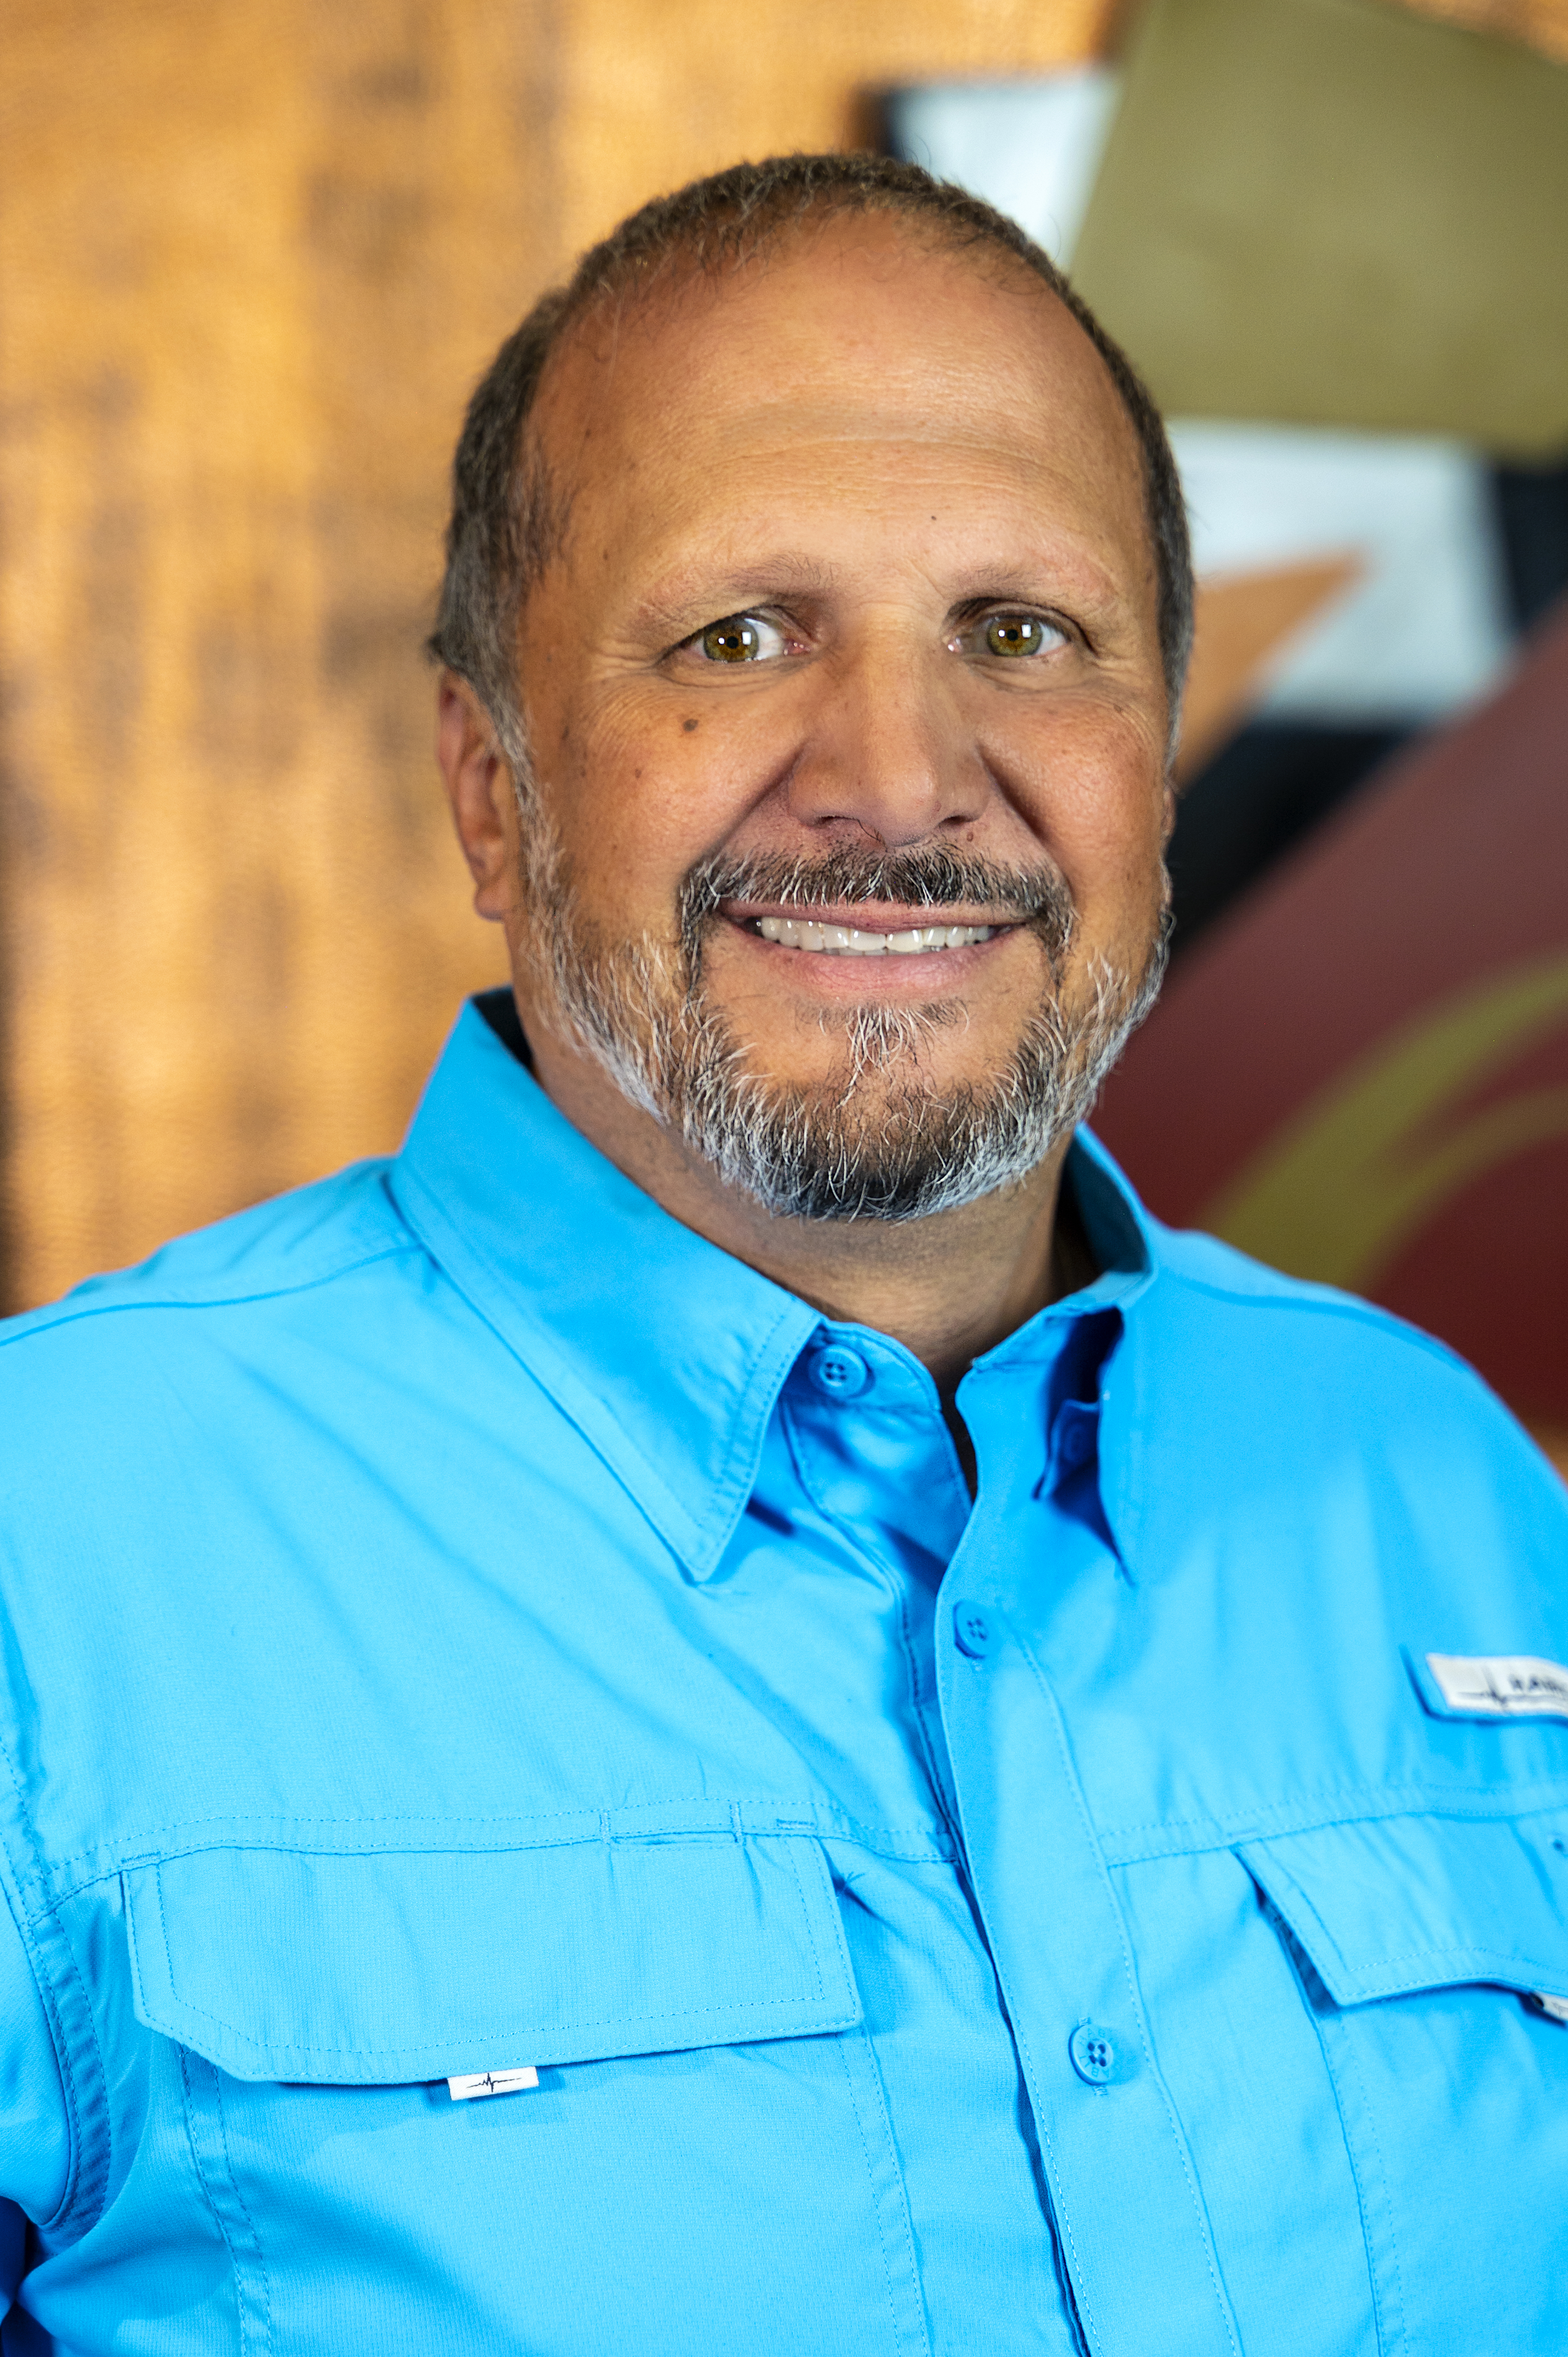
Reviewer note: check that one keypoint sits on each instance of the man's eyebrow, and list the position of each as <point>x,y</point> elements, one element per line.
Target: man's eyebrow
<point>696,590</point>
<point>1057,578</point>
<point>692,594</point>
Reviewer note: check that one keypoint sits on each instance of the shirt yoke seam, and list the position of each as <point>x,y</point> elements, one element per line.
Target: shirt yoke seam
<point>68,1313</point>
<point>1352,1312</point>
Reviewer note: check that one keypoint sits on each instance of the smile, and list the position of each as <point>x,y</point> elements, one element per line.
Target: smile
<point>849,940</point>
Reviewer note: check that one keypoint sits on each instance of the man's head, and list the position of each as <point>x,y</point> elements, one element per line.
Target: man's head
<point>820,572</point>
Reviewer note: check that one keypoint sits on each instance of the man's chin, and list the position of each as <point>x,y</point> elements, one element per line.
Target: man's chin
<point>874,1054</point>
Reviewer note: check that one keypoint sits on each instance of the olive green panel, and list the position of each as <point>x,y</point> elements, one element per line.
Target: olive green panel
<point>1336,213</point>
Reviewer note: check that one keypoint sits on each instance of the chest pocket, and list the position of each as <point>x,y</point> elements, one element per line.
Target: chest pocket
<point>702,2156</point>
<point>368,1971</point>
<point>1423,1945</point>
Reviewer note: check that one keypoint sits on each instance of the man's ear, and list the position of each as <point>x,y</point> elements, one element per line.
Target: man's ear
<point>479,788</point>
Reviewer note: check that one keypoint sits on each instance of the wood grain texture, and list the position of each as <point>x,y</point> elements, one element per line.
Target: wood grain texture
<point>253,258</point>
<point>654,93</point>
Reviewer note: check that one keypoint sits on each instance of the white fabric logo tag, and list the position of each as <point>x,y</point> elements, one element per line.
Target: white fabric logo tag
<point>491,2083</point>
<point>1501,1686</point>
<point>1557,2006</point>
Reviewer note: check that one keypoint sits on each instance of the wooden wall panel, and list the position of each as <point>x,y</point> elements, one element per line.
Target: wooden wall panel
<point>654,93</point>
<point>252,259</point>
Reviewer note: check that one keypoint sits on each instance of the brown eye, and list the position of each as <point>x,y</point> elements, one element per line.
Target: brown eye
<point>1017,634</point>
<point>738,639</point>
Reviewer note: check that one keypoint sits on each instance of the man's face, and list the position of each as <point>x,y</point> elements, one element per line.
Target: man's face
<point>847,714</point>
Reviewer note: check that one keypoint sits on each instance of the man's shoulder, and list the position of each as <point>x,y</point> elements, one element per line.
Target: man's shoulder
<point>273,1251</point>
<point>1214,1281</point>
<point>1304,1374</point>
<point>1217,1302</point>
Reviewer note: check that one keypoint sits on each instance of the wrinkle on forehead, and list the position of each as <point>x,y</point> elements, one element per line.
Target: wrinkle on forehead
<point>800,427</point>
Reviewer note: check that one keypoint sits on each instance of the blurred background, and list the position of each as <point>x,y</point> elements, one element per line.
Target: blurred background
<point>251,260</point>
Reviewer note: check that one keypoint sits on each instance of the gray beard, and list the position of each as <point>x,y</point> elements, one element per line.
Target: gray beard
<point>876,1141</point>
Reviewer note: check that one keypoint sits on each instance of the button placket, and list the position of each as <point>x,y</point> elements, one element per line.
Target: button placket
<point>1062,1956</point>
<point>846,1451</point>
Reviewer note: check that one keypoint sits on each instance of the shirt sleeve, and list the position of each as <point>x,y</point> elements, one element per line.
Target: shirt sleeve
<point>35,2126</point>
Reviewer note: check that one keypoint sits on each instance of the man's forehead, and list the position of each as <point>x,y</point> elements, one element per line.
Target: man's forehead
<point>861,333</point>
<point>777,494</point>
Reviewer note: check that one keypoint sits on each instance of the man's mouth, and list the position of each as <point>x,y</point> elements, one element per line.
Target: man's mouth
<point>852,941</point>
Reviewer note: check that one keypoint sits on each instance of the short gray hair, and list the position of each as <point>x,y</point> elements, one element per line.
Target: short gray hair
<point>508,516</point>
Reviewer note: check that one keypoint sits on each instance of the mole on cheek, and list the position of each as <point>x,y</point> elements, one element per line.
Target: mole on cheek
<point>688,726</point>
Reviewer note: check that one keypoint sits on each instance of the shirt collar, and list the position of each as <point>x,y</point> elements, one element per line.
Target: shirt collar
<point>1123,1240</point>
<point>667,1354</point>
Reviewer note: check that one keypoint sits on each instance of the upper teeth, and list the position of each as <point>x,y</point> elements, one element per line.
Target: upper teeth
<point>848,940</point>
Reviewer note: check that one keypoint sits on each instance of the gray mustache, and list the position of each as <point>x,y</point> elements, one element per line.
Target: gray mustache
<point>924,877</point>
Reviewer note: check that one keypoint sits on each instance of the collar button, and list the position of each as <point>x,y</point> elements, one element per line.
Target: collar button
<point>839,1373</point>
<point>1077,1435</point>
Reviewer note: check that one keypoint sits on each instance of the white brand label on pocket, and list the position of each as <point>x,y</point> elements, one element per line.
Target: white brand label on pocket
<point>1501,1686</point>
<point>1557,2006</point>
<point>492,2083</point>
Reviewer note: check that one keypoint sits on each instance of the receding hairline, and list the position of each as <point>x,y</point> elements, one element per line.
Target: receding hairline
<point>688,270</point>
<point>692,264</point>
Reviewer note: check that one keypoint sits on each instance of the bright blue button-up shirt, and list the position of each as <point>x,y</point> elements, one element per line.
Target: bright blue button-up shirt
<point>459,1623</point>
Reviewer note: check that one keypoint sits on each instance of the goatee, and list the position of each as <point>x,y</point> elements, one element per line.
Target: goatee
<point>876,1139</point>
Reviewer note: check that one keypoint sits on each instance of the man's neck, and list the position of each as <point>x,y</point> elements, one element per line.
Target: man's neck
<point>949,1287</point>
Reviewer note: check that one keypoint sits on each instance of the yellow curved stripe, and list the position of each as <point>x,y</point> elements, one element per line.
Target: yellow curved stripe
<point>1337,1192</point>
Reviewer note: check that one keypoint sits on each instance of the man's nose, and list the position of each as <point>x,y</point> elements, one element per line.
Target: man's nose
<point>888,750</point>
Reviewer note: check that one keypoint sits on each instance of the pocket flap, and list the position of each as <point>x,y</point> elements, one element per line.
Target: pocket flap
<point>1395,1904</point>
<point>364,1970</point>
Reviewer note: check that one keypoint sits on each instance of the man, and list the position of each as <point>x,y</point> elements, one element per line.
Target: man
<point>732,1708</point>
